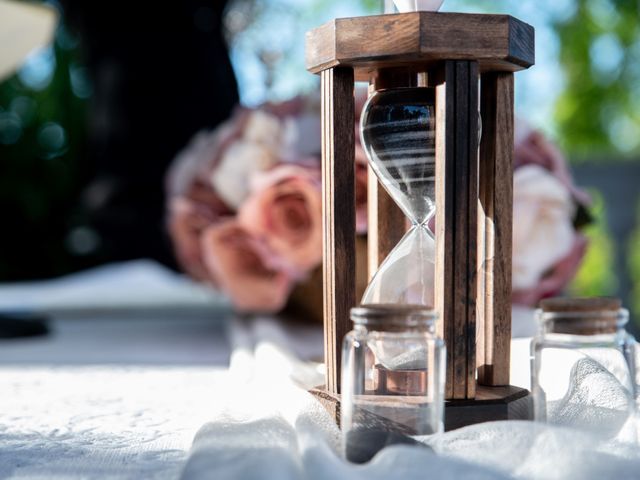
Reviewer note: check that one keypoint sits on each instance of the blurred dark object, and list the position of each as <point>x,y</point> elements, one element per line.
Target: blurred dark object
<point>19,325</point>
<point>160,72</point>
<point>365,442</point>
<point>89,125</point>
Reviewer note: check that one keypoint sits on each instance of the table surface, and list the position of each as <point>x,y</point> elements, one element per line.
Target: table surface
<point>118,395</point>
<point>121,393</point>
<point>108,397</point>
<point>115,396</point>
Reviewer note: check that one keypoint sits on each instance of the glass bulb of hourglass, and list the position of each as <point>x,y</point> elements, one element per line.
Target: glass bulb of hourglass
<point>406,276</point>
<point>398,134</point>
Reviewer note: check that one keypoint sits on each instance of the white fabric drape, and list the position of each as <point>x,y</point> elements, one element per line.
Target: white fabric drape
<point>271,428</point>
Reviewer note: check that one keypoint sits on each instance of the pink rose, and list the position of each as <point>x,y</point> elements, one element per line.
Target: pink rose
<point>285,211</point>
<point>233,168</point>
<point>239,264</point>
<point>188,216</point>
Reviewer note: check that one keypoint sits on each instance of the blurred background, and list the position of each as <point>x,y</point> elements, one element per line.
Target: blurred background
<point>123,87</point>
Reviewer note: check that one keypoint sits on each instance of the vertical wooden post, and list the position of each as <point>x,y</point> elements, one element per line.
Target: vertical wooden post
<point>386,222</point>
<point>338,192</point>
<point>456,222</point>
<point>496,216</point>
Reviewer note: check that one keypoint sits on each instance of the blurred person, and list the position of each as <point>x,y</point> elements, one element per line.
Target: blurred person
<point>160,72</point>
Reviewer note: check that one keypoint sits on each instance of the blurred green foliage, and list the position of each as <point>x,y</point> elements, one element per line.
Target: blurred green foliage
<point>598,110</point>
<point>42,132</point>
<point>633,251</point>
<point>596,276</point>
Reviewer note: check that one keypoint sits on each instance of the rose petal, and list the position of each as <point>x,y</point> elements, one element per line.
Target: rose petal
<point>532,148</point>
<point>186,223</point>
<point>230,178</point>
<point>232,259</point>
<point>286,212</point>
<point>307,169</point>
<point>557,278</point>
<point>203,153</point>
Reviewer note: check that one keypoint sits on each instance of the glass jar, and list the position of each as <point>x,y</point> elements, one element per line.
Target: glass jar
<point>583,365</point>
<point>392,380</point>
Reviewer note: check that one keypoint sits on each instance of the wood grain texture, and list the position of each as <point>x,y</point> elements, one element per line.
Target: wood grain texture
<point>443,283</point>
<point>496,217</point>
<point>387,223</point>
<point>338,191</point>
<point>522,41</point>
<point>497,42</point>
<point>456,222</point>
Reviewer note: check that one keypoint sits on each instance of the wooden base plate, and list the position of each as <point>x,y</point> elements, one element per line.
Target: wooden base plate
<point>490,404</point>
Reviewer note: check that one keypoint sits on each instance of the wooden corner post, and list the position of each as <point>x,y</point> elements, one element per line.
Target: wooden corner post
<point>456,222</point>
<point>338,191</point>
<point>496,218</point>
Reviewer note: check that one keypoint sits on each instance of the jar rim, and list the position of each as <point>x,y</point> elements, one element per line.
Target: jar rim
<point>580,304</point>
<point>396,315</point>
<point>582,322</point>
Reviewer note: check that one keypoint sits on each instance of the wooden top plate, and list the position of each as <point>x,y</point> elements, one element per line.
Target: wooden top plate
<point>497,42</point>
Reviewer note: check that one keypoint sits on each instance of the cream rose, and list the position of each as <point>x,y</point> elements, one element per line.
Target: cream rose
<point>543,231</point>
<point>230,178</point>
<point>257,149</point>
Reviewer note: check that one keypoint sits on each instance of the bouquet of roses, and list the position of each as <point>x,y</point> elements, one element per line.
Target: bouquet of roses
<point>548,212</point>
<point>245,208</point>
<point>245,203</point>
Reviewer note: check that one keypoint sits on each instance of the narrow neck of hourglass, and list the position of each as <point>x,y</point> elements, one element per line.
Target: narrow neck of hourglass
<point>425,220</point>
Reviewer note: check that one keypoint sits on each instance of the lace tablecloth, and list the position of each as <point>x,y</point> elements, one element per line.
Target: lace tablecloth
<point>102,422</point>
<point>120,387</point>
<point>117,397</point>
<point>108,396</point>
<point>135,364</point>
<point>121,393</point>
<point>123,382</point>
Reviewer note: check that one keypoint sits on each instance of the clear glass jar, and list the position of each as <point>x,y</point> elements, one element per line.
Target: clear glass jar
<point>583,365</point>
<point>392,379</point>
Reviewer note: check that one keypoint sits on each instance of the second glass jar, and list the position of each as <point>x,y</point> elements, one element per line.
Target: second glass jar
<point>583,365</point>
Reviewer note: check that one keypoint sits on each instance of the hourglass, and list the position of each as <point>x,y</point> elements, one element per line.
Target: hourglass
<point>398,134</point>
<point>441,208</point>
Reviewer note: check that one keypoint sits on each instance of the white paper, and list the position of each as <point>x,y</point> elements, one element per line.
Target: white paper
<point>418,5</point>
<point>138,284</point>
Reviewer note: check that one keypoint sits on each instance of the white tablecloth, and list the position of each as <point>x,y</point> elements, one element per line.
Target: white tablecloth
<point>120,392</point>
<point>134,366</point>
<point>101,422</point>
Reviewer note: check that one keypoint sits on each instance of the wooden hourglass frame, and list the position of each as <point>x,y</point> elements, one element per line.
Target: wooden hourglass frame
<point>470,59</point>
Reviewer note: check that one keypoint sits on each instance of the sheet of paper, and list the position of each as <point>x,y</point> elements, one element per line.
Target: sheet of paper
<point>139,284</point>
